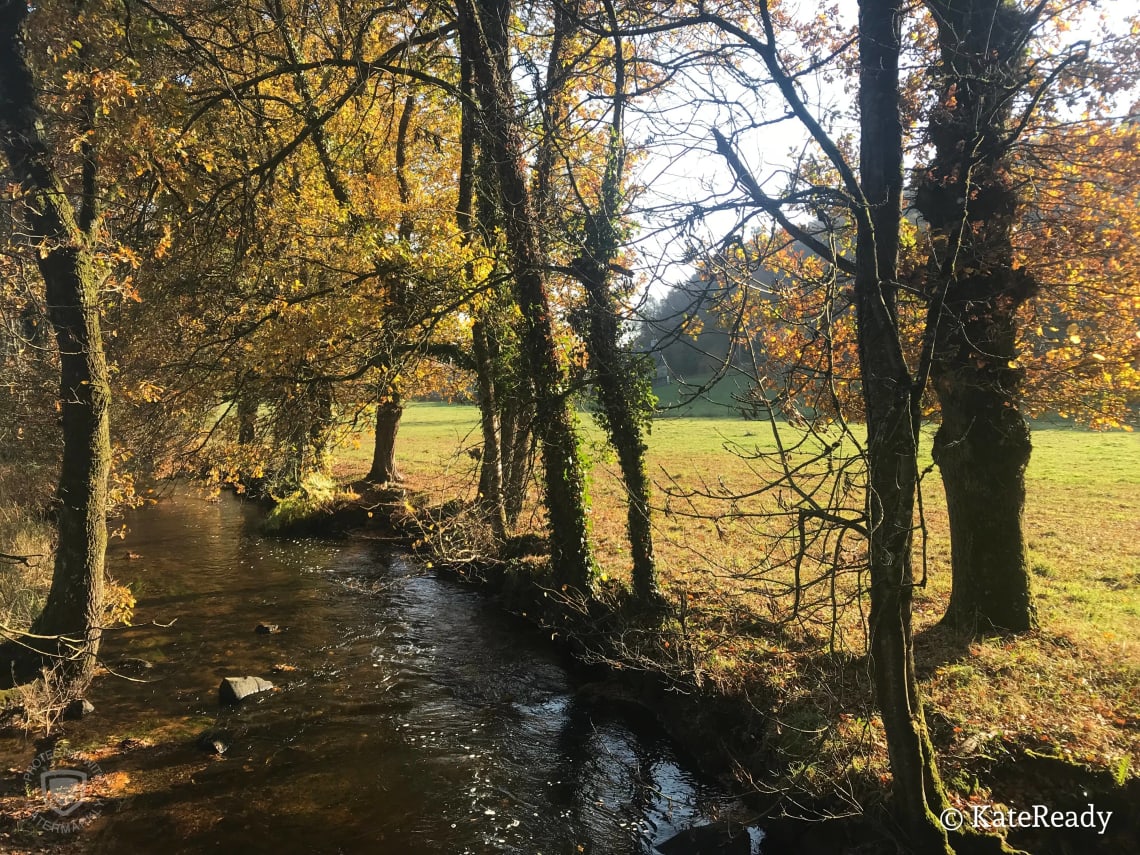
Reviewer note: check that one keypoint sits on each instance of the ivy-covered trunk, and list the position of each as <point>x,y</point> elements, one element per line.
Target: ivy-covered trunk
<point>892,442</point>
<point>623,396</point>
<point>969,199</point>
<point>620,380</point>
<point>73,614</point>
<point>483,27</point>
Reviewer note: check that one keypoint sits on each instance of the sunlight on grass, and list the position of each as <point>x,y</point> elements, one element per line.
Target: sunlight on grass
<point>1073,688</point>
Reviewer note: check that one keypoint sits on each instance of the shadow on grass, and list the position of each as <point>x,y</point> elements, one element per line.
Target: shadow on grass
<point>939,644</point>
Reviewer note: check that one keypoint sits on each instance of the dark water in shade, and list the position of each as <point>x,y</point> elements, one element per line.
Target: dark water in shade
<point>419,720</point>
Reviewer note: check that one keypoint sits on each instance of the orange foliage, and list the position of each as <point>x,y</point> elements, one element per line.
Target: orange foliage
<point>1081,240</point>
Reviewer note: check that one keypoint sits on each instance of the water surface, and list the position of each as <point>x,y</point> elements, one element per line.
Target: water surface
<point>420,719</point>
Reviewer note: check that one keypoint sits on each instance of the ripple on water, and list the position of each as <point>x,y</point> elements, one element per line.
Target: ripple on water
<point>419,719</point>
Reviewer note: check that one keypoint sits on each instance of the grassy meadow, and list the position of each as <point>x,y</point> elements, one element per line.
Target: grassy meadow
<point>1071,689</point>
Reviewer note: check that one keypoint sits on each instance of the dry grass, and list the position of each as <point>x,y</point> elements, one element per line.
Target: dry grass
<point>1071,689</point>
<point>24,532</point>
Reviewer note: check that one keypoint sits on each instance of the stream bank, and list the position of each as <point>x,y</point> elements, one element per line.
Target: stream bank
<point>729,735</point>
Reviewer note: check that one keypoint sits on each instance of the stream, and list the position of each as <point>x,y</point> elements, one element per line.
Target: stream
<point>419,719</point>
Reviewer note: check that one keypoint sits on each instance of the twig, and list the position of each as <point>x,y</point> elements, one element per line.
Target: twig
<point>26,560</point>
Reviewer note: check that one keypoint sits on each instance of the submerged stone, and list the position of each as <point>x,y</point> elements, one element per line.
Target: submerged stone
<point>131,666</point>
<point>712,839</point>
<point>216,742</point>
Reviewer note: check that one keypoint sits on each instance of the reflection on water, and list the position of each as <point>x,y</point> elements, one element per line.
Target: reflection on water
<point>418,719</point>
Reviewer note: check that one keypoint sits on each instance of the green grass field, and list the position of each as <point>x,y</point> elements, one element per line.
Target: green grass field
<point>691,400</point>
<point>1072,688</point>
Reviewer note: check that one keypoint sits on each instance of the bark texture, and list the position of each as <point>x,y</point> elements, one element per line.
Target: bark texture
<point>384,469</point>
<point>74,607</point>
<point>891,433</point>
<point>970,201</point>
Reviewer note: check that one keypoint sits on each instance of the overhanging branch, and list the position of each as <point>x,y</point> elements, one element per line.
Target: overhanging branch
<point>774,208</point>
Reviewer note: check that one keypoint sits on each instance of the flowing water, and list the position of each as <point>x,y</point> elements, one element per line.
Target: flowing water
<point>419,719</point>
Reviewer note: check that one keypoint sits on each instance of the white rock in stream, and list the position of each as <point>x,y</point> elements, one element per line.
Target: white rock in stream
<point>233,690</point>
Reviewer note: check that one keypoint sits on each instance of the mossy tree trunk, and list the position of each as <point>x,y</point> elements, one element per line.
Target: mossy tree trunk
<point>483,27</point>
<point>491,461</point>
<point>621,383</point>
<point>968,197</point>
<point>74,609</point>
<point>892,442</point>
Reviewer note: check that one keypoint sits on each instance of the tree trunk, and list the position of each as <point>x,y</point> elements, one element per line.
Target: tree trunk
<point>491,463</point>
<point>892,447</point>
<point>623,389</point>
<point>247,418</point>
<point>617,380</point>
<point>302,423</point>
<point>74,607</point>
<point>320,423</point>
<point>982,449</point>
<point>968,197</point>
<point>483,29</point>
<point>388,415</point>
<point>515,426</point>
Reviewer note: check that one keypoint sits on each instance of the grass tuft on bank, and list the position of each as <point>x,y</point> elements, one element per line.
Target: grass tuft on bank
<point>310,504</point>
